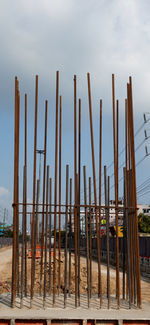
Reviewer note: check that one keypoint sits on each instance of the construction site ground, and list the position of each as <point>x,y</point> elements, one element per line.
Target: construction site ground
<point>5,286</point>
<point>69,313</point>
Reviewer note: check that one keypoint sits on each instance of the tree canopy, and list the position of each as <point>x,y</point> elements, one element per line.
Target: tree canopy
<point>144,223</point>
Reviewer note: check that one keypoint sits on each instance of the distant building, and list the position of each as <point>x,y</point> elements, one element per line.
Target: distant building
<point>144,208</point>
<point>4,227</point>
<point>112,214</point>
<point>112,217</point>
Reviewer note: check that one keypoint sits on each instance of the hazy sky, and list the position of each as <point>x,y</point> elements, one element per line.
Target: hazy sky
<point>75,37</point>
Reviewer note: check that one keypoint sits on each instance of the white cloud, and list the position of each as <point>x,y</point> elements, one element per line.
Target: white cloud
<point>75,36</point>
<point>78,36</point>
<point>3,192</point>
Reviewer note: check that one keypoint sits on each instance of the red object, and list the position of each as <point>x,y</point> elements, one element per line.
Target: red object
<point>37,255</point>
<point>30,322</point>
<point>4,322</point>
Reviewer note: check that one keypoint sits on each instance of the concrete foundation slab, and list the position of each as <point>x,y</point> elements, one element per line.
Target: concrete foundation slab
<point>70,312</point>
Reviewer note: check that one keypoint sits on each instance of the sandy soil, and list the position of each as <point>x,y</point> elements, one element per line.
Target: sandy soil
<point>5,269</point>
<point>5,275</point>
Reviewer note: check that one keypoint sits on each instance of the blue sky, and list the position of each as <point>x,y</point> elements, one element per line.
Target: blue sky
<point>74,37</point>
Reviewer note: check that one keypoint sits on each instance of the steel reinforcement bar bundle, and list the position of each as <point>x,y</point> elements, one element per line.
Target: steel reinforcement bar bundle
<point>55,279</point>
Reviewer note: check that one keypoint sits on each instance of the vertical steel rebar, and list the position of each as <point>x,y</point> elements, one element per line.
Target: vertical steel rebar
<point>130,203</point>
<point>133,239</point>
<point>14,259</point>
<point>124,245</point>
<point>130,195</point>
<point>50,225</point>
<point>25,197</point>
<point>135,199</point>
<point>66,234</point>
<point>108,199</point>
<point>127,189</point>
<point>70,236</point>
<point>34,185</point>
<point>23,237</point>
<point>90,233</point>
<point>75,191</point>
<point>55,189</point>
<point>125,185</point>
<point>87,233</point>
<point>100,172</point>
<point>76,245</point>
<point>94,177</point>
<point>43,206</point>
<point>18,273</point>
<point>59,257</point>
<point>106,186</point>
<point>116,191</point>
<point>38,201</point>
<point>79,185</point>
<point>46,229</point>
<point>125,278</point>
<point>36,219</point>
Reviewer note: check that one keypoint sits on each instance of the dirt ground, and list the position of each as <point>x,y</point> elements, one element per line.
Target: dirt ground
<point>5,269</point>
<point>5,275</point>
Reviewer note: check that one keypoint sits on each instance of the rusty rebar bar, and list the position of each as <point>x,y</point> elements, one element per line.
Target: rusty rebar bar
<point>117,191</point>
<point>125,192</point>
<point>115,137</point>
<point>70,236</point>
<point>25,198</point>
<point>55,189</point>
<point>34,188</point>
<point>100,173</point>
<point>135,200</point>
<point>36,221</point>
<point>17,228</point>
<point>50,225</point>
<point>46,230</point>
<point>43,207</point>
<point>130,195</point>
<point>59,239</point>
<point>108,250</point>
<point>23,237</point>
<point>127,189</point>
<point>133,240</point>
<point>124,253</point>
<point>14,259</point>
<point>79,185</point>
<point>106,191</point>
<point>66,235</point>
<point>87,236</point>
<point>94,177</point>
<point>75,191</point>
<point>90,234</point>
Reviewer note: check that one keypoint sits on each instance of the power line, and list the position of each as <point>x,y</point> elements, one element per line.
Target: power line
<point>144,183</point>
<point>143,189</point>
<point>121,152</point>
<point>121,178</point>
<point>143,193</point>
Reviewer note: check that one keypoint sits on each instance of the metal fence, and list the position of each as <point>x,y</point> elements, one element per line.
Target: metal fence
<point>5,241</point>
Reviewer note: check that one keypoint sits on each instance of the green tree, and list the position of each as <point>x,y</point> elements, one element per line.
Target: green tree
<point>144,223</point>
<point>9,233</point>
